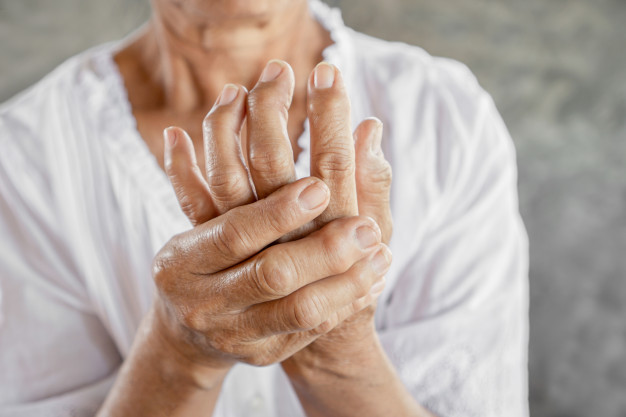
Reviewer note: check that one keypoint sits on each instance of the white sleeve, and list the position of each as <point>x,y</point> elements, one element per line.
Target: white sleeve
<point>56,358</point>
<point>455,325</point>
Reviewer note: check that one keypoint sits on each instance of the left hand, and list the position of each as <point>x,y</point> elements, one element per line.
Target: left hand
<point>353,167</point>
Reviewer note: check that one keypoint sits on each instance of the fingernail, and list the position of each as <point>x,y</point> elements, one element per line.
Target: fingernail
<point>272,71</point>
<point>381,261</point>
<point>324,76</point>
<point>377,137</point>
<point>229,93</point>
<point>378,287</point>
<point>313,196</point>
<point>366,236</point>
<point>169,134</point>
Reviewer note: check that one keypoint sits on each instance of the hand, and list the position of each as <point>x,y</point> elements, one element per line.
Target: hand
<point>217,277</point>
<point>361,187</point>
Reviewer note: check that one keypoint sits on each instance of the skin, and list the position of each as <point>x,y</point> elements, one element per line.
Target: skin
<point>176,66</point>
<point>294,266</point>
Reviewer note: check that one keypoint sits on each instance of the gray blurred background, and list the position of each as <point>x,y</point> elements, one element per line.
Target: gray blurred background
<point>557,70</point>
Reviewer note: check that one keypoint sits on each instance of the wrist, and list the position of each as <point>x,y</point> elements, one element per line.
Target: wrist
<point>364,378</point>
<point>179,362</point>
<point>326,360</point>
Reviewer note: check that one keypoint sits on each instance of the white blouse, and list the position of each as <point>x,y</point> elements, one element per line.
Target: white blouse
<point>84,207</point>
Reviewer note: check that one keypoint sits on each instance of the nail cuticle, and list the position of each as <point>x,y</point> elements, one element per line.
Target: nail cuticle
<point>228,95</point>
<point>324,76</point>
<point>271,72</point>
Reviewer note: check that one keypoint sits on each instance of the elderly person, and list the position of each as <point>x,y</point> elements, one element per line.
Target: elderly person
<point>260,284</point>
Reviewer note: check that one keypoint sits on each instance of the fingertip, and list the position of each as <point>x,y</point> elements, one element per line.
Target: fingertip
<point>170,136</point>
<point>375,123</point>
<point>377,138</point>
<point>177,144</point>
<point>228,95</point>
<point>368,136</point>
<point>326,98</point>
<point>275,69</point>
<point>324,75</point>
<point>278,74</point>
<point>272,70</point>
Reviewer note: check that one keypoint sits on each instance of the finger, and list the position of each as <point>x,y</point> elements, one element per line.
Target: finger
<point>349,311</point>
<point>314,304</point>
<point>332,146</point>
<point>270,155</point>
<point>244,231</point>
<point>283,269</point>
<point>226,173</point>
<point>373,175</point>
<point>279,347</point>
<point>186,177</point>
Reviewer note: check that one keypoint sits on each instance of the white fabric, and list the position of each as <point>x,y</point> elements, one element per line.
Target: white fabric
<point>84,207</point>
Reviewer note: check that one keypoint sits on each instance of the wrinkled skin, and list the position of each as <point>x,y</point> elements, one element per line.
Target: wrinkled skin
<point>274,270</point>
<point>314,289</point>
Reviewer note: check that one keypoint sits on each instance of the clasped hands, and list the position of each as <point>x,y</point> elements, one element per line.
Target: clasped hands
<point>274,270</point>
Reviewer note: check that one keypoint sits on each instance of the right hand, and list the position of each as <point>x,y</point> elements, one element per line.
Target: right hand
<point>222,298</point>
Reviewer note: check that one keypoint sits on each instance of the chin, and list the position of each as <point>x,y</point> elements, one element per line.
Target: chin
<point>233,8</point>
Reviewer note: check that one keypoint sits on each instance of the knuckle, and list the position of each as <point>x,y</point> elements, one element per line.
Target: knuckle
<point>225,182</point>
<point>379,174</point>
<point>260,360</point>
<point>192,206</point>
<point>335,160</point>
<point>280,214</point>
<point>357,280</point>
<point>308,313</point>
<point>222,341</point>
<point>272,274</point>
<point>270,160</point>
<point>193,319</point>
<point>231,240</point>
<point>162,266</point>
<point>335,244</point>
<point>281,217</point>
<point>326,326</point>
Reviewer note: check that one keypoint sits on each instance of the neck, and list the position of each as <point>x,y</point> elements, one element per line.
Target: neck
<point>187,56</point>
